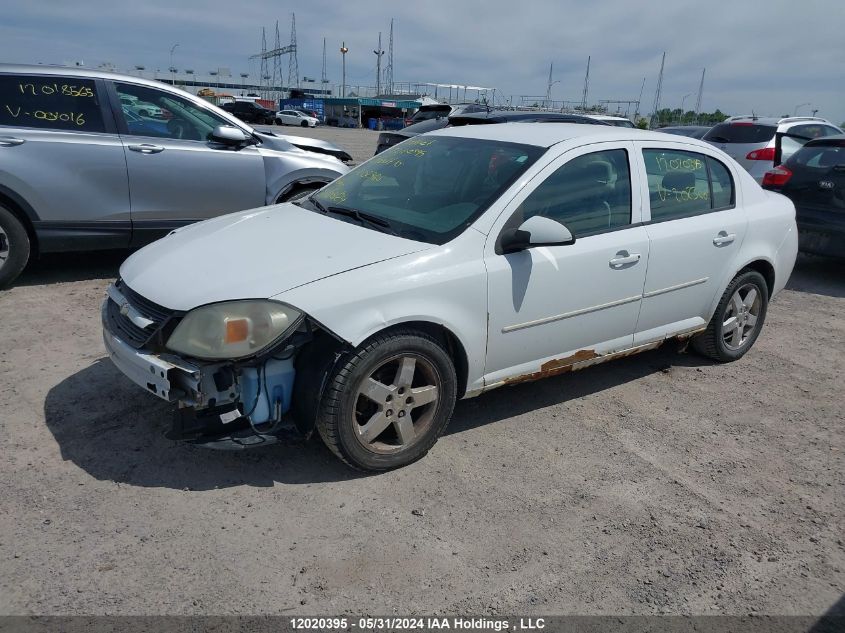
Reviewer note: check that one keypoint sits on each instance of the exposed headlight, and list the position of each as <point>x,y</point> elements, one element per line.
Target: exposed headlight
<point>232,329</point>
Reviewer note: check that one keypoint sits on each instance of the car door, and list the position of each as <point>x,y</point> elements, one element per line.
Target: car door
<point>695,229</point>
<point>60,153</point>
<point>550,307</point>
<point>177,175</point>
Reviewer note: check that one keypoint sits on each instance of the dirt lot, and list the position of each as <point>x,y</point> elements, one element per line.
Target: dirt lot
<point>662,483</point>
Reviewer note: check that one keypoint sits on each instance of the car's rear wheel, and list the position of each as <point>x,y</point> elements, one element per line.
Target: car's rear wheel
<point>738,319</point>
<point>386,404</point>
<point>14,247</point>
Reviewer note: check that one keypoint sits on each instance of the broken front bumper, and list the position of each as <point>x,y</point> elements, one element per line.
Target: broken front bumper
<point>169,378</point>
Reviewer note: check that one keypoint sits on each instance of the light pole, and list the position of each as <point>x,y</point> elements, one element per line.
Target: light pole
<point>682,107</point>
<point>343,51</point>
<point>172,69</point>
<point>800,105</point>
<point>549,92</point>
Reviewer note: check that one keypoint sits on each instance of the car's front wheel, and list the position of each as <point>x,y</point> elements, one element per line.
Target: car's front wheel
<point>738,319</point>
<point>387,403</point>
<point>304,124</point>
<point>14,247</point>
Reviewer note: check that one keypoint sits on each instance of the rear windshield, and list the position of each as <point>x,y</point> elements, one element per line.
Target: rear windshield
<point>741,133</point>
<point>818,157</point>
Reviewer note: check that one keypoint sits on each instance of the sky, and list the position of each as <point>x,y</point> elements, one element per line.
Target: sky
<point>768,57</point>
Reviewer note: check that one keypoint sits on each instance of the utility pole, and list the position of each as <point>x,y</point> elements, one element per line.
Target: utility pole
<point>343,51</point>
<point>378,53</point>
<point>586,87</point>
<point>323,79</point>
<point>549,85</point>
<point>639,101</point>
<point>657,92</point>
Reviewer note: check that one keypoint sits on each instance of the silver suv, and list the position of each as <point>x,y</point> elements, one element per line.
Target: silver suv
<point>750,140</point>
<point>82,167</point>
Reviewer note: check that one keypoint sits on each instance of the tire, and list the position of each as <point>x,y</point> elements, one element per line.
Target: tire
<point>726,337</point>
<point>405,415</point>
<point>304,124</point>
<point>297,193</point>
<point>143,113</point>
<point>14,247</point>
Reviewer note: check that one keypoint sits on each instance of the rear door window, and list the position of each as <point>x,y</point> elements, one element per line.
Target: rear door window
<point>741,132</point>
<point>683,184</point>
<point>58,103</point>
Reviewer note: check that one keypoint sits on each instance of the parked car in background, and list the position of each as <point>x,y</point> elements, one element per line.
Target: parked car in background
<point>692,131</point>
<point>295,117</point>
<point>814,179</point>
<point>250,112</point>
<point>464,260</point>
<point>141,108</point>
<point>389,139</point>
<point>618,121</point>
<point>750,140</point>
<point>71,152</point>
<point>445,110</point>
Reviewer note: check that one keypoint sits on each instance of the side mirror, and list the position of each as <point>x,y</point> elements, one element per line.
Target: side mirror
<point>228,135</point>
<point>535,231</point>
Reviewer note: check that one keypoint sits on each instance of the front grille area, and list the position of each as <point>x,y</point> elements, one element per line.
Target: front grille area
<point>124,328</point>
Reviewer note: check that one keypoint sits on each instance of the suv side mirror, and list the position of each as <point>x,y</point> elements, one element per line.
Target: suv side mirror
<point>535,231</point>
<point>228,135</point>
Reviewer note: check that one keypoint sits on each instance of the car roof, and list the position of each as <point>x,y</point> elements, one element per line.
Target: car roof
<point>503,116</point>
<point>548,134</point>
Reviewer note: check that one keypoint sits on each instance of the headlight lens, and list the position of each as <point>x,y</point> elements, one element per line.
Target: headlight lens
<point>232,329</point>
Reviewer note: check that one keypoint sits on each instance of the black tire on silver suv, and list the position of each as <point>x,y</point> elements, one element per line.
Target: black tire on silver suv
<point>738,319</point>
<point>387,403</point>
<point>14,247</point>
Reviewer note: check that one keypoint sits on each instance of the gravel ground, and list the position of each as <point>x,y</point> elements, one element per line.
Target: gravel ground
<point>661,483</point>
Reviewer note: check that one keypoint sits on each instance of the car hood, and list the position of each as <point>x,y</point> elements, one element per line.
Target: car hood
<point>254,254</point>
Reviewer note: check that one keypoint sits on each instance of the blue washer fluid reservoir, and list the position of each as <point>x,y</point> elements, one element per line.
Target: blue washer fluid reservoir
<point>276,378</point>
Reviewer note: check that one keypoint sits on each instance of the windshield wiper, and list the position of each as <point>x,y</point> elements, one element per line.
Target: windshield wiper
<point>379,224</point>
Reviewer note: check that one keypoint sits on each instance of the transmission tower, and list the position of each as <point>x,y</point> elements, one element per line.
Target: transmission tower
<point>265,56</point>
<point>323,79</point>
<point>549,85</point>
<point>379,54</point>
<point>700,91</point>
<point>265,74</point>
<point>657,91</point>
<point>277,67</point>
<point>388,79</point>
<point>293,63</point>
<point>586,87</point>
<point>639,101</point>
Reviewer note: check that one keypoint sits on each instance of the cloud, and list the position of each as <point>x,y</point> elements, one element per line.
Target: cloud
<point>762,57</point>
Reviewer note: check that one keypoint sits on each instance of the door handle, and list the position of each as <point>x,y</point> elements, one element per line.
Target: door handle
<point>624,259</point>
<point>146,148</point>
<point>10,141</point>
<point>724,238</point>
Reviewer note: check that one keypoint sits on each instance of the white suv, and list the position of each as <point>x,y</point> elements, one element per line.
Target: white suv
<point>456,262</point>
<point>750,140</point>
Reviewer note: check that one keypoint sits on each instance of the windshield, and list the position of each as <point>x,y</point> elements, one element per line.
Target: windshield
<point>619,123</point>
<point>433,113</point>
<point>818,156</point>
<point>430,188</point>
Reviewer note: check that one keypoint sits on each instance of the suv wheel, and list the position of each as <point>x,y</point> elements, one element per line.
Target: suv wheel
<point>14,247</point>
<point>386,405</point>
<point>738,319</point>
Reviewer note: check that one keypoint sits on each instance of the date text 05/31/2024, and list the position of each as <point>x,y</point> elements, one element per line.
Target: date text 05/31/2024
<point>417,623</point>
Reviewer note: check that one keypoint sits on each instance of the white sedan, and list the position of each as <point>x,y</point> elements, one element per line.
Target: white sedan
<point>295,117</point>
<point>451,264</point>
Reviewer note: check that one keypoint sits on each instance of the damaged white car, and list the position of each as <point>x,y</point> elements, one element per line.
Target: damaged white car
<point>451,264</point>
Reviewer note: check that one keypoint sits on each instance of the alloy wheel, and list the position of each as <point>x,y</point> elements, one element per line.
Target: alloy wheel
<point>741,316</point>
<point>396,404</point>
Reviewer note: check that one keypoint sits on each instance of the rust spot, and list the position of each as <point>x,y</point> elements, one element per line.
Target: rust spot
<point>555,367</point>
